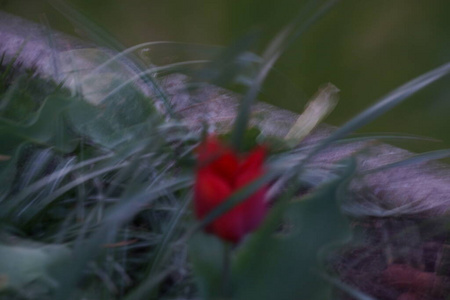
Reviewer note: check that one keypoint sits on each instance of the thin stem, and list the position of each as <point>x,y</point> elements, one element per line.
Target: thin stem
<point>226,270</point>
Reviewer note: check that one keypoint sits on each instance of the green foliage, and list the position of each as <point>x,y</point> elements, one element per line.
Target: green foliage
<point>279,263</point>
<point>80,177</point>
<point>27,268</point>
<point>262,266</point>
<point>97,182</point>
<point>207,253</point>
<point>274,50</point>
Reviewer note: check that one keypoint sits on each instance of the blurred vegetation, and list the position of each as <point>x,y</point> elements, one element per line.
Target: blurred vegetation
<point>81,191</point>
<point>104,190</point>
<point>365,48</point>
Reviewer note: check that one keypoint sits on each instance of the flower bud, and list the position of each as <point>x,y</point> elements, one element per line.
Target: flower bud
<point>221,172</point>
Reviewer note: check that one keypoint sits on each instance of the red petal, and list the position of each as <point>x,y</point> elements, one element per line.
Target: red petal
<point>220,173</point>
<point>255,207</point>
<point>209,149</point>
<point>219,158</point>
<point>248,174</point>
<point>209,191</point>
<point>226,166</point>
<point>230,226</point>
<point>254,159</point>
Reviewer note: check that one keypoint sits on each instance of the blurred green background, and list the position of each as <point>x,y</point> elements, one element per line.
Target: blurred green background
<point>366,48</point>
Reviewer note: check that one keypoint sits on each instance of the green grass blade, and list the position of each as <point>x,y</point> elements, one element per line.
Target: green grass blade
<point>416,159</point>
<point>37,207</point>
<point>356,294</point>
<point>384,137</point>
<point>54,54</point>
<point>383,105</point>
<point>133,201</point>
<point>277,46</point>
<point>94,31</point>
<point>161,251</point>
<point>207,50</point>
<point>145,288</point>
<point>10,65</point>
<point>102,37</point>
<point>171,67</point>
<point>229,63</point>
<point>41,183</point>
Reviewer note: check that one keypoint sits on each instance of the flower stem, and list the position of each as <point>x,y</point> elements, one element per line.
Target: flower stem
<point>226,270</point>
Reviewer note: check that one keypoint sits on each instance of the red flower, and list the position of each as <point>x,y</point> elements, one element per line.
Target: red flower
<point>220,173</point>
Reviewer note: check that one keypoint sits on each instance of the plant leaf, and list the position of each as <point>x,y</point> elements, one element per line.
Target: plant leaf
<point>270,266</point>
<point>383,105</point>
